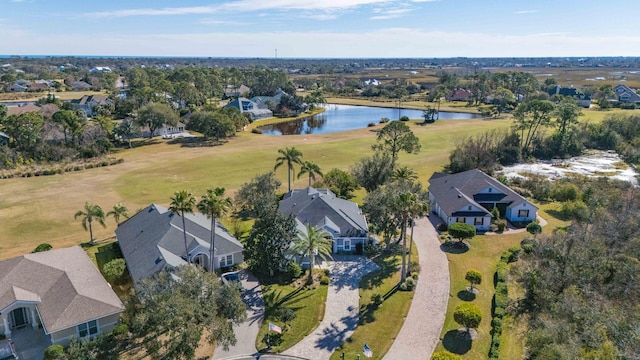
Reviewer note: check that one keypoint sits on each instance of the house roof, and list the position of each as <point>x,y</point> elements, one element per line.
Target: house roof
<point>322,208</point>
<point>453,192</point>
<point>17,110</point>
<point>460,94</point>
<point>153,239</point>
<point>91,100</point>
<point>67,288</point>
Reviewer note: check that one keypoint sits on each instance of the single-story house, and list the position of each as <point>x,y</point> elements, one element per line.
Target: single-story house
<point>88,102</point>
<point>58,292</point>
<point>342,219</point>
<point>459,95</point>
<point>152,240</point>
<point>469,197</point>
<point>247,106</point>
<point>96,69</point>
<point>169,130</point>
<point>81,86</point>
<point>626,94</point>
<point>233,91</point>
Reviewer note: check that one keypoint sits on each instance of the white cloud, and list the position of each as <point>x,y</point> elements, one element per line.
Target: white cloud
<point>209,21</point>
<point>154,12</point>
<point>520,12</point>
<point>389,14</point>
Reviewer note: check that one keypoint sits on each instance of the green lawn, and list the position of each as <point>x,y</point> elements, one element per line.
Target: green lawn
<point>308,304</point>
<point>379,325</point>
<point>483,255</point>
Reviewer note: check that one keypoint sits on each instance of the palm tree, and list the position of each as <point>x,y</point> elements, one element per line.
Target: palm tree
<point>311,168</point>
<point>91,212</point>
<point>119,210</point>
<point>405,173</point>
<point>419,209</point>
<point>404,204</point>
<point>310,241</point>
<point>183,202</point>
<point>214,205</point>
<point>289,156</point>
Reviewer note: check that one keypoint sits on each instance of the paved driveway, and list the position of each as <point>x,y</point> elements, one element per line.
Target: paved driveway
<point>341,311</point>
<point>421,330</point>
<point>246,332</point>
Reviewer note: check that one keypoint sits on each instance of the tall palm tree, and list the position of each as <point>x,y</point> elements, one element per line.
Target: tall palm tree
<point>214,205</point>
<point>311,168</point>
<point>404,204</point>
<point>310,241</point>
<point>405,173</point>
<point>119,210</point>
<point>419,209</point>
<point>183,202</point>
<point>289,156</point>
<point>91,212</point>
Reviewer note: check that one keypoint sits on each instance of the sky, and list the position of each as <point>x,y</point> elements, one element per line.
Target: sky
<point>321,28</point>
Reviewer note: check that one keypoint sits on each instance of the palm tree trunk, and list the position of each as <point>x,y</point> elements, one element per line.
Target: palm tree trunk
<point>213,243</point>
<point>404,250</point>
<point>309,179</point>
<point>90,233</point>
<point>184,233</point>
<point>289,178</point>
<point>312,264</point>
<point>411,243</point>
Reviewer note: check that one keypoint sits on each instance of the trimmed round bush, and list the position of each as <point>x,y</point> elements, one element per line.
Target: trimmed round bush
<point>468,315</point>
<point>54,352</point>
<point>324,280</point>
<point>445,355</point>
<point>42,247</point>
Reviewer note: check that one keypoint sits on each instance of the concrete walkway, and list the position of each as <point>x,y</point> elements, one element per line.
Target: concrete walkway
<point>422,327</point>
<point>246,332</point>
<point>341,310</point>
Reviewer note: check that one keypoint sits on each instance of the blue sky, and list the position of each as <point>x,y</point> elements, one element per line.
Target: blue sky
<point>320,28</point>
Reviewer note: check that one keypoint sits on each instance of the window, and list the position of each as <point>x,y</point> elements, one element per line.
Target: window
<point>470,207</point>
<point>226,261</point>
<point>89,329</point>
<point>490,190</point>
<point>478,221</point>
<point>347,244</point>
<point>461,220</point>
<point>523,213</point>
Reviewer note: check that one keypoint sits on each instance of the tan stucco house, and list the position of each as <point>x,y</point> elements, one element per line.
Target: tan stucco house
<point>59,293</point>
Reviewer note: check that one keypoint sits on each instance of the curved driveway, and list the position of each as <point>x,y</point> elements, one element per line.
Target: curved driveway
<point>341,310</point>
<point>422,327</point>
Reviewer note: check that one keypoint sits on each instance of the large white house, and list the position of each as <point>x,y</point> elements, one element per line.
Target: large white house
<point>468,197</point>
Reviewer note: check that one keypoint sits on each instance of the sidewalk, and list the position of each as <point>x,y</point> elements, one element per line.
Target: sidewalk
<point>422,327</point>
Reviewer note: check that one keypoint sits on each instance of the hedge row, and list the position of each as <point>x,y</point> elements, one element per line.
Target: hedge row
<point>43,170</point>
<point>500,299</point>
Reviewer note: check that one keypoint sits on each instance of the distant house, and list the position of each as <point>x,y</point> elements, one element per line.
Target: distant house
<point>88,102</point>
<point>38,87</point>
<point>233,91</point>
<point>96,69</point>
<point>17,110</point>
<point>468,197</point>
<point>626,95</point>
<point>372,82</point>
<point>459,95</point>
<point>342,219</point>
<point>152,240</point>
<point>581,99</point>
<point>261,101</point>
<point>57,294</point>
<point>165,130</point>
<point>18,87</point>
<point>247,106</point>
<point>80,86</point>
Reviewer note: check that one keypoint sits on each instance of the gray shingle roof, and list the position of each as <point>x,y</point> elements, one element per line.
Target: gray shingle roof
<point>453,192</point>
<point>153,239</point>
<point>319,207</point>
<point>67,288</point>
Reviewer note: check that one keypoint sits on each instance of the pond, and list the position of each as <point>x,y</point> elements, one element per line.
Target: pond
<point>337,118</point>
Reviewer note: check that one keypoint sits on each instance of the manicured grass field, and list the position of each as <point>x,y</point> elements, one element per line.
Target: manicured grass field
<point>308,304</point>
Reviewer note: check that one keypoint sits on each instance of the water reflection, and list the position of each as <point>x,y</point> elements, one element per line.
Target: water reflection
<point>348,117</point>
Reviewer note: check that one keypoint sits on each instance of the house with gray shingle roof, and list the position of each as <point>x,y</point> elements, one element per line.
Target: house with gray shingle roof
<point>58,292</point>
<point>469,197</point>
<point>626,95</point>
<point>321,208</point>
<point>152,240</point>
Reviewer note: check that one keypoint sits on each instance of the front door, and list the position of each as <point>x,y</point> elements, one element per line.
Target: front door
<point>347,244</point>
<point>19,318</point>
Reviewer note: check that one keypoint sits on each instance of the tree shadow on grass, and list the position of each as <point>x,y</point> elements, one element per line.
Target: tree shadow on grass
<point>558,215</point>
<point>388,266</point>
<point>466,295</point>
<point>457,342</point>
<point>456,247</point>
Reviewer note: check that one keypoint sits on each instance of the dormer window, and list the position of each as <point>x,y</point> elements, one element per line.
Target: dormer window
<point>490,189</point>
<point>469,207</point>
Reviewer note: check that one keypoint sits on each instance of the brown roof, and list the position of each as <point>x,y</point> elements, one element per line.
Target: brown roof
<point>65,285</point>
<point>17,110</point>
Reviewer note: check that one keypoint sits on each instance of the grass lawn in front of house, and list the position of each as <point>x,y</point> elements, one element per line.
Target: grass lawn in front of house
<point>308,303</point>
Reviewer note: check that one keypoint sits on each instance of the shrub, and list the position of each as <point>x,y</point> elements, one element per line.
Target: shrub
<point>326,272</point>
<point>501,272</point>
<point>496,325</point>
<point>445,355</point>
<point>462,231</point>
<point>403,287</point>
<point>377,299</point>
<point>371,249</point>
<point>359,248</point>
<point>574,210</point>
<point>534,229</point>
<point>404,118</point>
<point>272,339</point>
<point>442,227</point>
<point>371,124</point>
<point>501,295</point>
<point>495,214</point>
<point>528,245</point>
<point>286,314</point>
<point>474,277</point>
<point>414,267</point>
<point>114,269</point>
<point>42,247</point>
<point>54,352</point>
<point>120,330</point>
<point>324,280</point>
<point>501,225</point>
<point>256,131</point>
<point>468,315</point>
<point>294,270</point>
<point>410,283</point>
<point>384,120</point>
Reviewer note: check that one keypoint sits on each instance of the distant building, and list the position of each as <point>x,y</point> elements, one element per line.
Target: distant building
<point>459,95</point>
<point>247,106</point>
<point>96,69</point>
<point>88,103</point>
<point>236,91</point>
<point>626,95</point>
